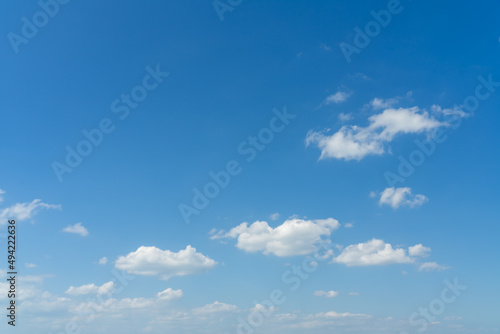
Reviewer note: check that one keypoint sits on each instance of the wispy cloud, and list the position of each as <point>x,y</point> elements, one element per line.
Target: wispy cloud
<point>337,98</point>
<point>432,266</point>
<point>24,211</point>
<point>327,294</point>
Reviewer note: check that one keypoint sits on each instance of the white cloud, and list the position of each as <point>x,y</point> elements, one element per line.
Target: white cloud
<point>274,216</point>
<point>348,225</point>
<point>23,211</point>
<point>293,237</point>
<point>30,265</point>
<point>152,261</point>
<point>353,293</point>
<point>345,117</point>
<point>1,195</point>
<point>216,307</point>
<point>355,142</point>
<point>103,260</point>
<point>327,294</point>
<point>372,253</point>
<point>432,266</point>
<point>77,228</point>
<point>262,309</point>
<point>455,111</point>
<point>169,294</point>
<point>378,103</point>
<point>337,98</point>
<point>419,250</point>
<point>396,197</point>
<point>105,289</point>
<point>336,315</point>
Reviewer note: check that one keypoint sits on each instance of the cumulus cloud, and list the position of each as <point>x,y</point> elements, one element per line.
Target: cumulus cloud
<point>77,228</point>
<point>169,294</point>
<point>327,294</point>
<point>293,237</point>
<point>354,142</point>
<point>372,253</point>
<point>337,98</point>
<point>106,288</point>
<point>103,260</point>
<point>432,266</point>
<point>419,250</point>
<point>396,197</point>
<point>23,211</point>
<point>152,261</point>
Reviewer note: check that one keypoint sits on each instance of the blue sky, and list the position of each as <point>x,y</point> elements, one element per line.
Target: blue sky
<point>318,176</point>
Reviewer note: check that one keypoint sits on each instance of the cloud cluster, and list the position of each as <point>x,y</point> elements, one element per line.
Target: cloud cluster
<point>376,252</point>
<point>293,237</point>
<point>354,142</point>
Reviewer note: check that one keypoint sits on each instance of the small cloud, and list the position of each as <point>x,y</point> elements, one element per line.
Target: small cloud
<point>325,47</point>
<point>169,294</point>
<point>78,228</point>
<point>1,195</point>
<point>349,225</point>
<point>419,250</point>
<point>396,197</point>
<point>274,216</point>
<point>337,98</point>
<point>353,293</point>
<point>379,103</point>
<point>87,289</point>
<point>327,294</point>
<point>432,266</point>
<point>345,117</point>
<point>360,76</point>
<point>103,260</point>
<point>30,265</point>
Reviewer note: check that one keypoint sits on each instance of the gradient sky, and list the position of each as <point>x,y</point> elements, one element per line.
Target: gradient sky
<point>322,175</point>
